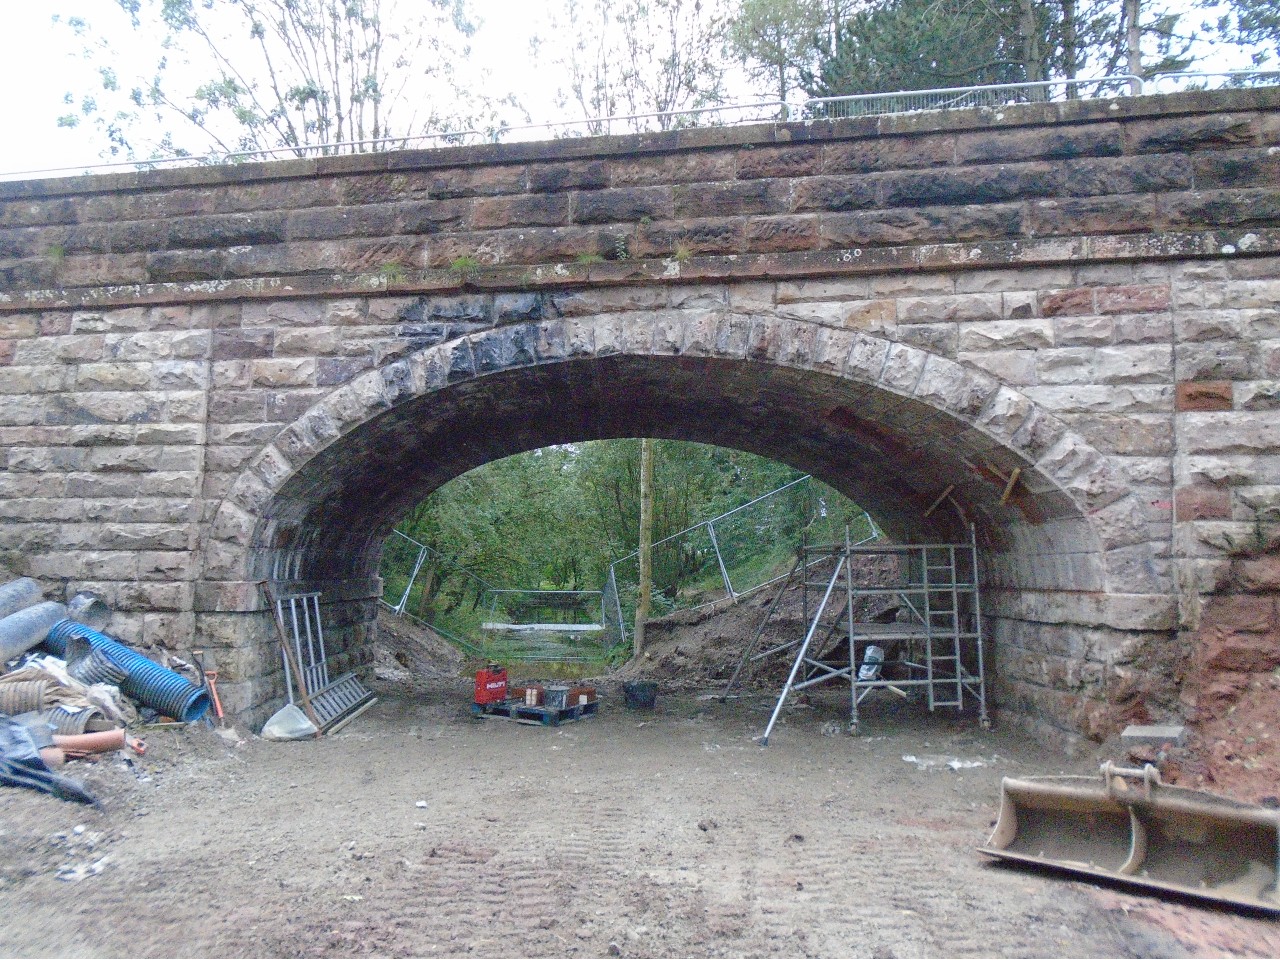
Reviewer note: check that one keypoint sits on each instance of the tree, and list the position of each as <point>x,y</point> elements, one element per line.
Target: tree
<point>920,44</point>
<point>1252,24</point>
<point>775,39</point>
<point>631,57</point>
<point>257,75</point>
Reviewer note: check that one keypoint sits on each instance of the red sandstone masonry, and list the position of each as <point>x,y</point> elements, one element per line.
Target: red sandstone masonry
<point>1202,503</point>
<point>1107,171</point>
<point>1203,396</point>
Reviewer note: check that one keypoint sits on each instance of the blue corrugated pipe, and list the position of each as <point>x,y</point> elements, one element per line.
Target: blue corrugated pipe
<point>149,683</point>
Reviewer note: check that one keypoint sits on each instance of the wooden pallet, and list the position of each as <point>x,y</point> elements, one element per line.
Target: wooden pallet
<point>521,712</point>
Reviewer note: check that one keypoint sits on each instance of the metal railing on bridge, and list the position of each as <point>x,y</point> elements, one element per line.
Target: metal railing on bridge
<point>760,111</point>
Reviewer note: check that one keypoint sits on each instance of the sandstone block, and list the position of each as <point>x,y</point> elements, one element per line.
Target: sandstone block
<point>936,338</point>
<point>781,234</point>
<point>732,198</point>
<point>875,228</point>
<point>1202,503</point>
<point>284,372</point>
<point>1006,335</point>
<point>1221,208</point>
<point>890,154</point>
<point>1203,433</point>
<point>698,167</point>
<point>960,308</point>
<point>1054,303</point>
<point>973,185</point>
<point>625,205</point>
<point>831,194</point>
<point>1091,215</point>
<point>531,210</point>
<point>1118,176</point>
<point>1133,364</point>
<point>1180,134</point>
<point>1210,395</point>
<point>787,161</point>
<point>1101,140</point>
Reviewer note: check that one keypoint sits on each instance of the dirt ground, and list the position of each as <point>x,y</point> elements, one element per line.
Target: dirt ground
<point>418,830</point>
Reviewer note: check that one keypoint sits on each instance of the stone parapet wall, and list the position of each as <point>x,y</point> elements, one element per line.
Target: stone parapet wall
<point>1174,175</point>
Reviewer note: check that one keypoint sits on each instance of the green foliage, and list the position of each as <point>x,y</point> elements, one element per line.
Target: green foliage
<point>557,517</point>
<point>683,253</point>
<point>775,39</point>
<point>919,44</point>
<point>1252,24</point>
<point>589,258</point>
<point>393,272</point>
<point>466,266</point>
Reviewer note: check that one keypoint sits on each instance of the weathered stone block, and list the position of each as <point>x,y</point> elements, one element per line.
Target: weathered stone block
<point>1202,503</point>
<point>703,166</point>
<point>533,210</point>
<point>1208,395</point>
<point>1133,299</point>
<point>980,185</point>
<point>1238,168</point>
<point>1006,335</point>
<point>284,372</point>
<point>1054,303</point>
<point>627,205</point>
<point>1101,140</point>
<point>875,228</point>
<point>1179,134</point>
<point>889,154</point>
<point>1133,364</point>
<point>1120,176</point>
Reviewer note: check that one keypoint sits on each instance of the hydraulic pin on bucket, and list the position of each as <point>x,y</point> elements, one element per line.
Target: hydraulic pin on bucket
<point>1130,827</point>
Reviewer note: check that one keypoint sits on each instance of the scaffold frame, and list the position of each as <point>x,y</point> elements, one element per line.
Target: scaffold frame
<point>934,645</point>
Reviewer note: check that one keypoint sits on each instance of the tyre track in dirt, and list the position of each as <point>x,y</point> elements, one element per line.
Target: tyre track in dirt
<point>418,831</point>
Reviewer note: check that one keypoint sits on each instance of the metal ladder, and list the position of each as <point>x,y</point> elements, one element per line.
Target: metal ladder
<point>942,623</point>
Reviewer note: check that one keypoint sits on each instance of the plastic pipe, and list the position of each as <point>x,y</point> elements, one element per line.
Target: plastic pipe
<point>103,742</point>
<point>21,631</point>
<point>150,684</point>
<point>18,595</point>
<point>89,609</point>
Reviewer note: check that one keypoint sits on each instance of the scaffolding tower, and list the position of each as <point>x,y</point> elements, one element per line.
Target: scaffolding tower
<point>932,643</point>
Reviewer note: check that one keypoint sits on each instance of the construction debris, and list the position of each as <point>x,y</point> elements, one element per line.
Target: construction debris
<point>73,699</point>
<point>1128,826</point>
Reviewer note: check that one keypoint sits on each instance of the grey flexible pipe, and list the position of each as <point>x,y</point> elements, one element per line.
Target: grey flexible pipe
<point>21,631</point>
<point>18,595</point>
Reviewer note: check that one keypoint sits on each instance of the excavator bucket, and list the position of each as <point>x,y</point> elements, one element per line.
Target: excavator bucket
<point>1130,827</point>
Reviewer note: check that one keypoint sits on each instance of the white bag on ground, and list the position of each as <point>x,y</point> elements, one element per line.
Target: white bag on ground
<point>289,723</point>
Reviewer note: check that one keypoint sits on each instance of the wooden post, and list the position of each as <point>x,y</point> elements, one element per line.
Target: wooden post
<point>646,543</point>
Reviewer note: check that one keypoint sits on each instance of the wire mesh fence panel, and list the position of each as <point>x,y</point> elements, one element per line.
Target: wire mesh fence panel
<point>742,550</point>
<point>432,588</point>
<point>400,559</point>
<point>524,607</point>
<point>616,631</point>
<point>719,559</point>
<point>960,98</point>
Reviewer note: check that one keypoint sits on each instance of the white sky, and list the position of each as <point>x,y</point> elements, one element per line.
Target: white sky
<point>39,63</point>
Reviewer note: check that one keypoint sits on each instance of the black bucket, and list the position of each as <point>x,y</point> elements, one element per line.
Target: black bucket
<point>640,694</point>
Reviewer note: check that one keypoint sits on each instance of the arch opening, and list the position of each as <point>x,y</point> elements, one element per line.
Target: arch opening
<point>926,446</point>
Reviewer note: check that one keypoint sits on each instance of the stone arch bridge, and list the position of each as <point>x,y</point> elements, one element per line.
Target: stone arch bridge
<point>214,377</point>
